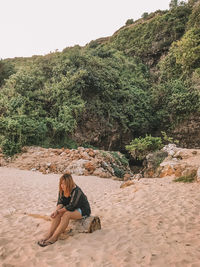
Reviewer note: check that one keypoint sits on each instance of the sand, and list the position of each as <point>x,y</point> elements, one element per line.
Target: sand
<point>155,222</point>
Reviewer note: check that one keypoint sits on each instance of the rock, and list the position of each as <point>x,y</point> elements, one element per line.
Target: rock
<point>53,168</point>
<point>80,148</point>
<point>104,165</point>
<point>152,163</point>
<point>89,167</point>
<point>43,170</point>
<point>194,152</point>
<point>183,154</point>
<point>189,171</point>
<point>98,171</point>
<point>58,151</point>
<point>105,175</point>
<point>86,173</point>
<point>157,158</point>
<point>91,153</point>
<point>138,176</point>
<point>171,149</point>
<point>177,169</point>
<point>127,183</point>
<point>84,155</point>
<point>115,178</point>
<point>149,173</point>
<point>24,149</point>
<point>127,177</point>
<point>168,170</point>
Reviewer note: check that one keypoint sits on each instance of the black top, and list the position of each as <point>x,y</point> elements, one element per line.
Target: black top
<point>76,200</point>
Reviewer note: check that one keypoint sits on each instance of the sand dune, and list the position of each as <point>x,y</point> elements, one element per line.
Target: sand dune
<point>155,222</point>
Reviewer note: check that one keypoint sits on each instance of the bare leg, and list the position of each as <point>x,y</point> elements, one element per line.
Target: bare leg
<point>75,215</point>
<point>54,224</point>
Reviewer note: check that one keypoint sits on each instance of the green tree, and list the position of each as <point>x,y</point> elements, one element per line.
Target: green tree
<point>173,101</point>
<point>145,15</point>
<point>6,69</point>
<point>187,50</point>
<point>173,4</point>
<point>129,22</point>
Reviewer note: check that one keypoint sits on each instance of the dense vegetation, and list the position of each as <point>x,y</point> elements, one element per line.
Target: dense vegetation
<point>142,80</point>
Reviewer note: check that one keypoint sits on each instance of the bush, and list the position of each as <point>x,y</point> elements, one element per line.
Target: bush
<point>145,15</point>
<point>10,148</point>
<point>118,172</point>
<point>120,159</point>
<point>152,37</point>
<point>186,178</point>
<point>19,131</point>
<point>129,22</point>
<point>140,147</point>
<point>173,101</point>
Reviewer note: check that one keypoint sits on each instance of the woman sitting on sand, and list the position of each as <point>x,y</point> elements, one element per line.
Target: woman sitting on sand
<point>72,204</point>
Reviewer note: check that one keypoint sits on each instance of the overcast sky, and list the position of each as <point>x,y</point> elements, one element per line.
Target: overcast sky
<point>37,27</point>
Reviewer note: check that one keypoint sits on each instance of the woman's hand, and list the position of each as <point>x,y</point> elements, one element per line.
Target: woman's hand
<point>58,211</point>
<point>54,214</point>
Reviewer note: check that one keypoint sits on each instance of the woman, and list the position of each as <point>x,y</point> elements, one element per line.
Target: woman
<point>72,204</point>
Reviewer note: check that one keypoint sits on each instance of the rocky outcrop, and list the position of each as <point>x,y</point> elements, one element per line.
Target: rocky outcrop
<point>179,162</point>
<point>81,161</point>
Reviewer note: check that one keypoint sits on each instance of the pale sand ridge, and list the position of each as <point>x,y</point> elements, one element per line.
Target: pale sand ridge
<point>155,222</point>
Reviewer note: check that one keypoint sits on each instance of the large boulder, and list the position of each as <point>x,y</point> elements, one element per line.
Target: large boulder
<point>176,162</point>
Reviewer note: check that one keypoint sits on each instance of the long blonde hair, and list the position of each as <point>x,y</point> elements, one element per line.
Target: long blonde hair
<point>70,184</point>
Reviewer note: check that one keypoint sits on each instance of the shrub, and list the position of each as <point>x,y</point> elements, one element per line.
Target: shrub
<point>173,101</point>
<point>118,172</point>
<point>119,158</point>
<point>186,178</point>
<point>129,22</point>
<point>140,147</point>
<point>10,148</point>
<point>145,15</point>
<point>167,139</point>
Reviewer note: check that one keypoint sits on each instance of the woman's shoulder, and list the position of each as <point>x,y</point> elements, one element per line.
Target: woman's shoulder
<point>77,188</point>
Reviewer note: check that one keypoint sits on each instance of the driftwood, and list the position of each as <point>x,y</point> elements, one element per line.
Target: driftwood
<point>85,225</point>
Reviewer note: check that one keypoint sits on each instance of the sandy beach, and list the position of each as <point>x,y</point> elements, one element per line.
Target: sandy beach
<point>154,222</point>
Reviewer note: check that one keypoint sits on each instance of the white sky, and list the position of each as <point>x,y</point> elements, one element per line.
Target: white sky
<point>37,27</point>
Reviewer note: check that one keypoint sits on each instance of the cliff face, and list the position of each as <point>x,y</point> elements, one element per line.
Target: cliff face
<point>188,132</point>
<point>98,133</point>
